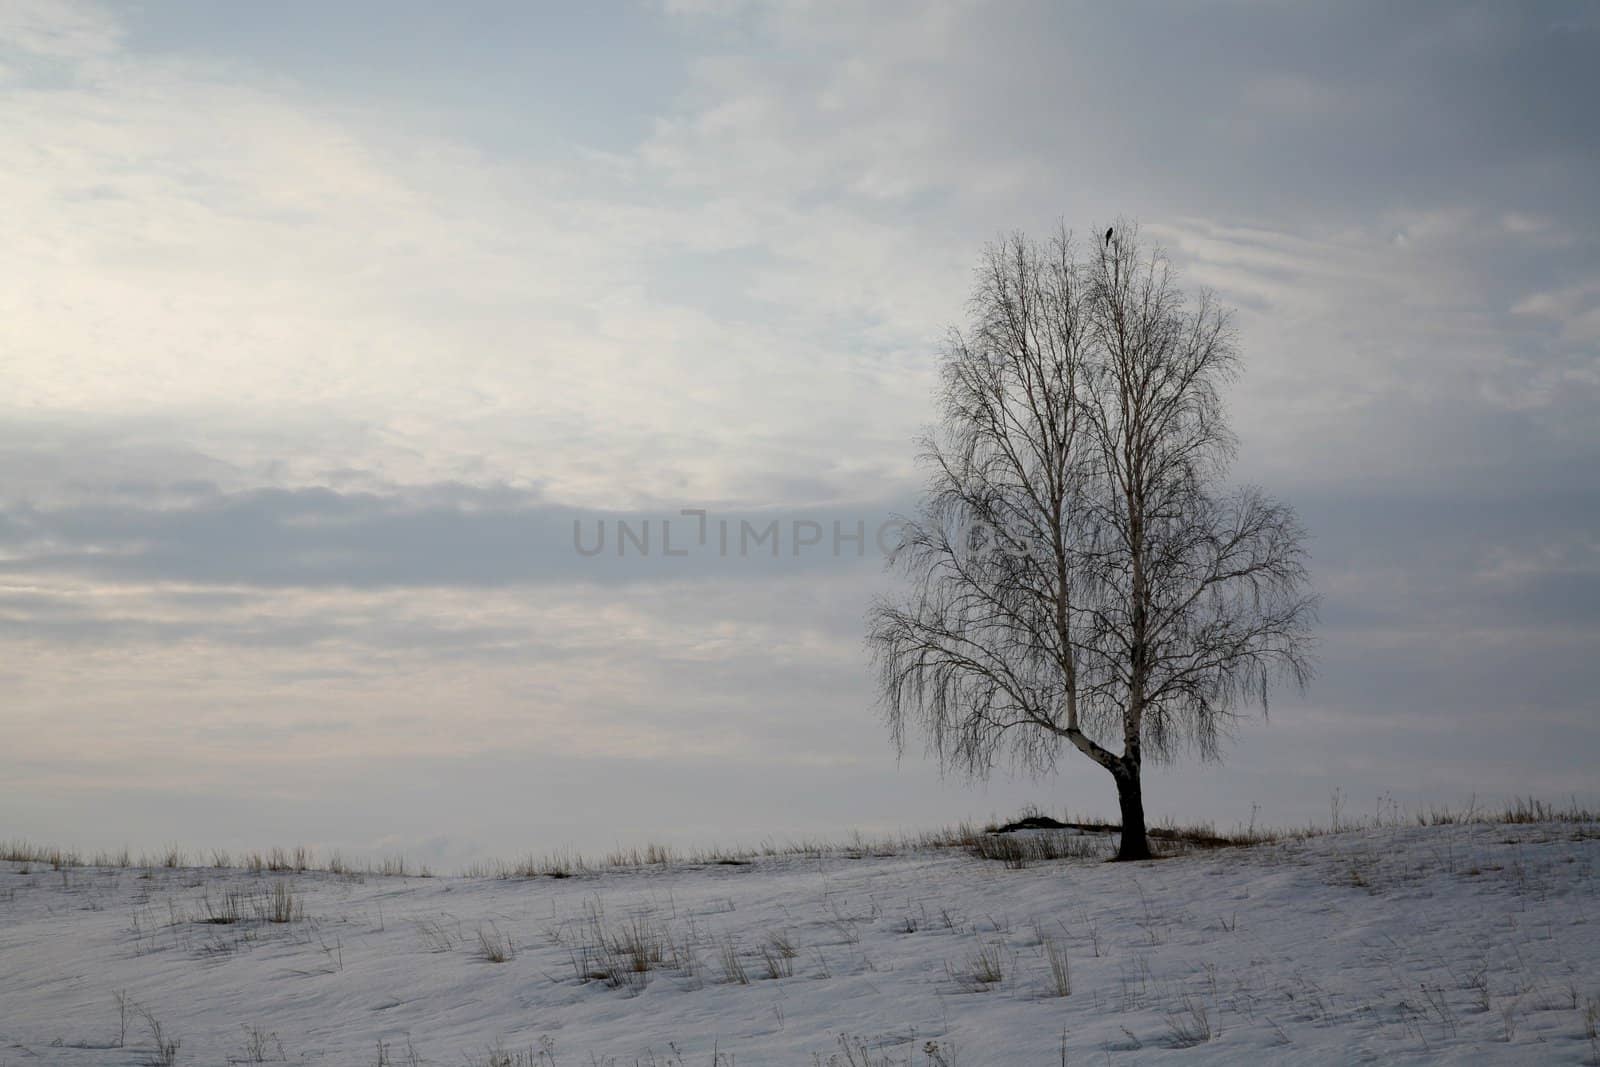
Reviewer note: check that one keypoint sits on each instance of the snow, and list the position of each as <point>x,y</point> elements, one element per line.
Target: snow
<point>1465,944</point>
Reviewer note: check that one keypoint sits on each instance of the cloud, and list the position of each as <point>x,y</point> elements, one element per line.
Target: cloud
<point>304,382</point>
<point>758,287</point>
<point>42,29</point>
<point>239,259</point>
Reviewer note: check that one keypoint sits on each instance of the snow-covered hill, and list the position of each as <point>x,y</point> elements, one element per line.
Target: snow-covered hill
<point>1468,944</point>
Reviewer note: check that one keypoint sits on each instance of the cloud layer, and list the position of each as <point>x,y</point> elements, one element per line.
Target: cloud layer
<point>307,372</point>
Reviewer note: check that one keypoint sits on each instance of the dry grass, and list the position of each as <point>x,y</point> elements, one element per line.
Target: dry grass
<point>983,968</point>
<point>1083,838</point>
<point>1191,1025</point>
<point>493,946</point>
<point>855,1051</point>
<point>164,1047</point>
<point>228,911</point>
<point>279,904</point>
<point>435,936</point>
<point>733,972</point>
<point>1518,811</point>
<point>296,860</point>
<point>261,1046</point>
<point>1018,850</point>
<point>641,945</point>
<point>282,905</point>
<point>778,954</point>
<point>622,956</point>
<point>1060,968</point>
<point>499,1056</point>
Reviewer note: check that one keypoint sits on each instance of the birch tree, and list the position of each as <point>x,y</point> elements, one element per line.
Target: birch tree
<point>1079,577</point>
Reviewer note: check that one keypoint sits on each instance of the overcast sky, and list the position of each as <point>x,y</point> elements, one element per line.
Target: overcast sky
<point>320,325</point>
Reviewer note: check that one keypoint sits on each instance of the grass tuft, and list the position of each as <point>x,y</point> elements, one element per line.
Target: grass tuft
<point>494,946</point>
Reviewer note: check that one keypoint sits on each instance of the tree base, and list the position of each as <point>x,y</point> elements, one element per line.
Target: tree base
<point>1134,844</point>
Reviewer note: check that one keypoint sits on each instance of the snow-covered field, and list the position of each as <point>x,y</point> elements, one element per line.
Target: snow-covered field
<point>1468,944</point>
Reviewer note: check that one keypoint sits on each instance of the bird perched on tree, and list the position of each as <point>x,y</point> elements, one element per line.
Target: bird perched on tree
<point>1108,235</point>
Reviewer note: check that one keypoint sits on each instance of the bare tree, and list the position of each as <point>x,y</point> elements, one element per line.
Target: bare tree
<point>1077,573</point>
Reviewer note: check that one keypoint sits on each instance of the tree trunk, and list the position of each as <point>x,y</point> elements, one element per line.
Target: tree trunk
<point>1130,796</point>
